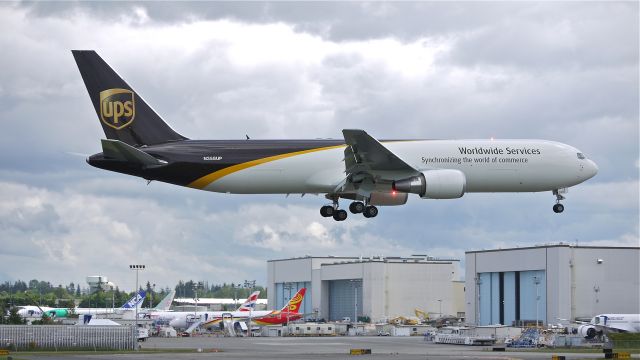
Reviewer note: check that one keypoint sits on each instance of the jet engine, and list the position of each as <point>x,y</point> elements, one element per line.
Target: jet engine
<point>588,331</point>
<point>434,184</point>
<point>59,313</point>
<point>388,199</point>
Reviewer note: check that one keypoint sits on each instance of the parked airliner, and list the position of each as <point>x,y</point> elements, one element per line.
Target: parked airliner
<point>289,312</point>
<point>34,311</point>
<point>185,319</point>
<point>606,323</point>
<point>359,168</point>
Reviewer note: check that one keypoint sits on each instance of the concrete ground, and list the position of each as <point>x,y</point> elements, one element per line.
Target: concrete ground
<point>313,348</point>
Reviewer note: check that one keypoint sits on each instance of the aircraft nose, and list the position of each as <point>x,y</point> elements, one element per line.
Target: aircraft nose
<point>591,169</point>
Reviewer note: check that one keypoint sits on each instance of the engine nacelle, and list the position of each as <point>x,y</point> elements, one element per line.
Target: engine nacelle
<point>587,331</point>
<point>434,184</point>
<point>58,313</point>
<point>388,199</point>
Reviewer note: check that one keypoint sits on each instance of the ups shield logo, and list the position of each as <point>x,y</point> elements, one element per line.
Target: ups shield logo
<point>117,107</point>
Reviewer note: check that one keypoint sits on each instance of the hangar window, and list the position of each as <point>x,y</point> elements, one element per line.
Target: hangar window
<point>581,156</point>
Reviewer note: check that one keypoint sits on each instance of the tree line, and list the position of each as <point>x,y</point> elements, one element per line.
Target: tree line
<point>43,293</point>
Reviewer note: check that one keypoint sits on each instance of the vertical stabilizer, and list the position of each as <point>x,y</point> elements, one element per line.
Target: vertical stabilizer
<point>165,303</point>
<point>250,303</point>
<point>123,114</point>
<point>293,306</point>
<point>135,301</point>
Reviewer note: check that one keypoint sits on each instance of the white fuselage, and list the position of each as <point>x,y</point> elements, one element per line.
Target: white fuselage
<point>488,165</point>
<point>31,311</point>
<point>619,322</point>
<point>183,319</point>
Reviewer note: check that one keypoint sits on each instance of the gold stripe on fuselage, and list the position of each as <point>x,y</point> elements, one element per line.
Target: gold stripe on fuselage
<point>204,181</point>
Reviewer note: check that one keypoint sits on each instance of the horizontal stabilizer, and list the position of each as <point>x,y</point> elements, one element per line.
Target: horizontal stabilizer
<point>118,150</point>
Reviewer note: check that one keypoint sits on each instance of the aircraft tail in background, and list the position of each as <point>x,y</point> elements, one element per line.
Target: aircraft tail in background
<point>165,303</point>
<point>135,301</point>
<point>250,303</point>
<point>293,306</point>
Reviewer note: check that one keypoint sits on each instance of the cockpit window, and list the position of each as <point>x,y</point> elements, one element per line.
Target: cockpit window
<point>581,156</point>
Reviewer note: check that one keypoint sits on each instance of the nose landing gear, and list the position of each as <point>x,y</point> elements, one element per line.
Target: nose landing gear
<point>558,207</point>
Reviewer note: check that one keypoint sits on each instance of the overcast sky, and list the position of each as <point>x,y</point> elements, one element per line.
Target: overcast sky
<point>559,71</point>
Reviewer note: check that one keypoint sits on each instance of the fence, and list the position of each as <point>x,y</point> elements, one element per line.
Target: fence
<point>67,337</point>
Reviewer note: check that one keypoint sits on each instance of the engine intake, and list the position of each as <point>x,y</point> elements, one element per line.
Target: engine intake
<point>434,184</point>
<point>587,331</point>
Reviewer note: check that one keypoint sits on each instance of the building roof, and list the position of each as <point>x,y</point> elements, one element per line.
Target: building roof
<point>419,259</point>
<point>554,246</point>
<point>315,257</point>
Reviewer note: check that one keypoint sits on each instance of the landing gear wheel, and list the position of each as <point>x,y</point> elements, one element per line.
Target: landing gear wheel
<point>558,208</point>
<point>327,211</point>
<point>340,215</point>
<point>370,211</point>
<point>356,207</point>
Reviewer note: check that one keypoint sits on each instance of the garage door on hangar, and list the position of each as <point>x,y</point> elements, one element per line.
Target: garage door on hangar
<point>342,294</point>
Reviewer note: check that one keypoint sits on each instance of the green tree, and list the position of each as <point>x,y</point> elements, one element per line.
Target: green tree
<point>14,318</point>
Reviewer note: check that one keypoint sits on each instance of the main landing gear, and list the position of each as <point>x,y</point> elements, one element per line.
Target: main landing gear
<point>356,207</point>
<point>558,207</point>
<point>333,211</point>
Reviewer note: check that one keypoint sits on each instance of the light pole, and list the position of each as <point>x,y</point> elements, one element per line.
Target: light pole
<point>536,280</point>
<point>235,294</point>
<point>250,285</point>
<point>440,303</point>
<point>196,286</point>
<point>153,290</point>
<point>478,283</point>
<point>355,284</point>
<point>137,269</point>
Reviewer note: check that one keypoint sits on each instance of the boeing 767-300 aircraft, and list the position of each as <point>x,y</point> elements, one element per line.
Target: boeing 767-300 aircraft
<point>366,171</point>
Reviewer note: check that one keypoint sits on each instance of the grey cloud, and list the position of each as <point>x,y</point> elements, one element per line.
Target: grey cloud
<point>581,89</point>
<point>555,36</point>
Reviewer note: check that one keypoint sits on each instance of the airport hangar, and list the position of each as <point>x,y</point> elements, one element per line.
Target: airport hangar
<point>380,287</point>
<point>550,283</point>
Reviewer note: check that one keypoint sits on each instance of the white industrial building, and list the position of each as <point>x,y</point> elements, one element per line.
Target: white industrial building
<point>549,283</point>
<point>377,287</point>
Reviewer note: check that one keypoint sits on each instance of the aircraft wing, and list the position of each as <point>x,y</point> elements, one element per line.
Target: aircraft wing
<point>367,160</point>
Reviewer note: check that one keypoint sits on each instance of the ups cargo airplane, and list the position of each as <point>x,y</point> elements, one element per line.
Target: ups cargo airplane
<point>360,168</point>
